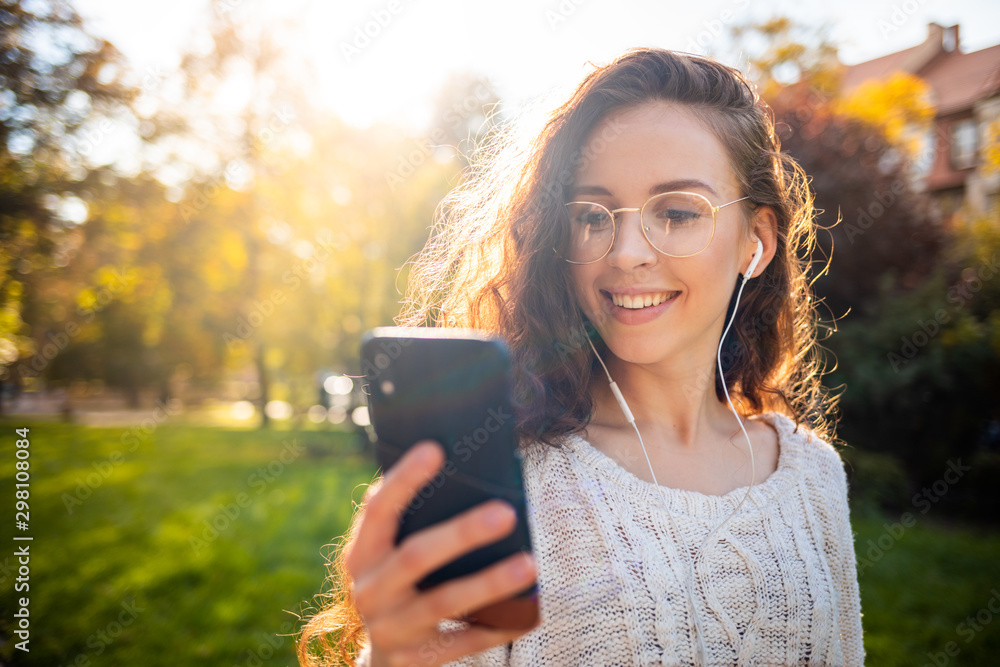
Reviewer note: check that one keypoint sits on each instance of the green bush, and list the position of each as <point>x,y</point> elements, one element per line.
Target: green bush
<point>919,369</point>
<point>877,481</point>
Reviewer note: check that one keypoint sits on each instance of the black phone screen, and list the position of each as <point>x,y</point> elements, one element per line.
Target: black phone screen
<point>452,386</point>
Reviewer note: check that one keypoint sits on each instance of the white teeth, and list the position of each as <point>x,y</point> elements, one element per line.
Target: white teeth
<point>641,300</point>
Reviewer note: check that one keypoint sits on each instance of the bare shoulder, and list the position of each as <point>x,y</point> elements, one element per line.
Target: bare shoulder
<point>763,431</point>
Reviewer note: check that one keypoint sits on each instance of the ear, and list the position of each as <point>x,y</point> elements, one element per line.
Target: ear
<point>765,226</point>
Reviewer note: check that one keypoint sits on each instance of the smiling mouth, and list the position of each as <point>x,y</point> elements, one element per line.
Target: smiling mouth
<point>639,301</point>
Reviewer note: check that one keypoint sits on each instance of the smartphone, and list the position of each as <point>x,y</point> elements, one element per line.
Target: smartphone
<point>453,386</point>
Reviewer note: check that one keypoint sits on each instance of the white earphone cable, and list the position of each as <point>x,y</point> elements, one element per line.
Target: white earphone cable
<point>631,420</point>
<point>690,578</point>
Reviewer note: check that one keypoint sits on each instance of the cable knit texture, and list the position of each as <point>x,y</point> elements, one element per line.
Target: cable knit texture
<point>778,587</point>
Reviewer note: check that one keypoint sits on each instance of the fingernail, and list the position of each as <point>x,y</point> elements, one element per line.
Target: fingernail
<point>498,515</point>
<point>523,565</point>
<point>425,452</point>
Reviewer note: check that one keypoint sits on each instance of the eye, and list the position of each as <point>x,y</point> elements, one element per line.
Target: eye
<point>679,216</point>
<point>596,219</point>
<point>676,210</point>
<point>589,216</point>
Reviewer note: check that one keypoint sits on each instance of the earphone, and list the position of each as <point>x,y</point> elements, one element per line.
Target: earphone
<point>758,253</point>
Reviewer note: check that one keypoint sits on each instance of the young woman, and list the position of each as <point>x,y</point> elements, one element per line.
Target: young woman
<point>694,512</point>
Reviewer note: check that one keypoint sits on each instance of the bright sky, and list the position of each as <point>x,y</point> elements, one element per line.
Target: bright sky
<point>526,47</point>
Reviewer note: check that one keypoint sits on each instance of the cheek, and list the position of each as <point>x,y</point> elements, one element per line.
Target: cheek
<point>708,285</point>
<point>582,281</point>
<point>578,280</point>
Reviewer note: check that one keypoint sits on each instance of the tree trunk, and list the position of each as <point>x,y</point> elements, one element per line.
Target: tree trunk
<point>263,380</point>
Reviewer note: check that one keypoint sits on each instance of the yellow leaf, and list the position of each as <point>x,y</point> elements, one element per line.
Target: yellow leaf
<point>991,148</point>
<point>86,299</point>
<point>900,106</point>
<point>232,250</point>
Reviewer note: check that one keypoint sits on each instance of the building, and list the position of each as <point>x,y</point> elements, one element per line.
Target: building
<point>966,97</point>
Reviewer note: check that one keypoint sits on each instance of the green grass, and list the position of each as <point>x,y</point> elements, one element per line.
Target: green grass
<point>122,562</point>
<point>917,595</point>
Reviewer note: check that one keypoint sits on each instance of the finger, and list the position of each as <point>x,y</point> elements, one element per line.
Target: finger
<point>394,579</point>
<point>456,598</point>
<point>385,505</point>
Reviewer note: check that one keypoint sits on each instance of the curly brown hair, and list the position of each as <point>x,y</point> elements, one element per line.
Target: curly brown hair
<point>490,264</point>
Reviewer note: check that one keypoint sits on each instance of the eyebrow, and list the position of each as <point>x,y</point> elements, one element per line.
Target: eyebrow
<point>668,186</point>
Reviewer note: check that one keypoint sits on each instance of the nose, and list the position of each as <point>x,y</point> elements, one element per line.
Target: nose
<point>631,248</point>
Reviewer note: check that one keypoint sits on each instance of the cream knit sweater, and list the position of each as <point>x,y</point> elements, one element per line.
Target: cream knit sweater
<point>778,588</point>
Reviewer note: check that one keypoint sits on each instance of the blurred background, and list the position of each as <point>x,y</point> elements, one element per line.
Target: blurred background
<point>203,206</point>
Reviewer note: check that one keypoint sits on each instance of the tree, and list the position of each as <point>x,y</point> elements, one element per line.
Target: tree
<point>918,355</point>
<point>780,51</point>
<point>226,142</point>
<point>873,226</point>
<point>899,106</point>
<point>465,113</point>
<point>261,237</point>
<point>855,151</point>
<point>58,88</point>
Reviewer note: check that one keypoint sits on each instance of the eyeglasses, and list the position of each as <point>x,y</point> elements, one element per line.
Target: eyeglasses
<point>677,224</point>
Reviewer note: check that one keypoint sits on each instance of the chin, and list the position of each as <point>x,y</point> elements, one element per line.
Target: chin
<point>638,349</point>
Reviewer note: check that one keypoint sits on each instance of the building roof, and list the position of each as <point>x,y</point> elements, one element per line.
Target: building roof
<point>958,80</point>
<point>879,68</point>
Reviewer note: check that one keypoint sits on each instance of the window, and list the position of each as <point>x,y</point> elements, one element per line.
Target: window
<point>926,150</point>
<point>963,144</point>
<point>950,38</point>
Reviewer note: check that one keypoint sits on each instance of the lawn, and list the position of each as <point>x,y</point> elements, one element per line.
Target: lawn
<point>931,594</point>
<point>190,550</point>
<point>198,546</point>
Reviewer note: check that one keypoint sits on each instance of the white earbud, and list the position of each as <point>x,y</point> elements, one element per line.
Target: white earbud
<point>753,263</point>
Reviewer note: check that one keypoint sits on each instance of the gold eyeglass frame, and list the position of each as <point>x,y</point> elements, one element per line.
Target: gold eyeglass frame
<point>614,223</point>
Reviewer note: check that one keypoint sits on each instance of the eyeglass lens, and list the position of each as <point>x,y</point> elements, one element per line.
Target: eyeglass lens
<point>675,223</point>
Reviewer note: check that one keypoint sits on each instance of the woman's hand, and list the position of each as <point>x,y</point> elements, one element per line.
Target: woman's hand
<point>402,621</point>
